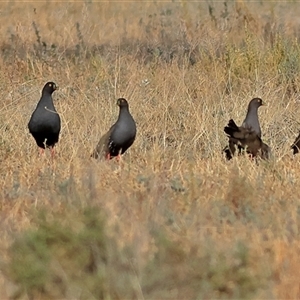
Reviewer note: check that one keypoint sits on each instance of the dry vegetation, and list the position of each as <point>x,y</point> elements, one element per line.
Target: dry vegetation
<point>174,220</point>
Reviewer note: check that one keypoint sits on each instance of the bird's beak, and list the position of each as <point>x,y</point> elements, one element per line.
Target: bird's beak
<point>57,87</point>
<point>263,103</point>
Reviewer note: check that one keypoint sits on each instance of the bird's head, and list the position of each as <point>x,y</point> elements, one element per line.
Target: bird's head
<point>50,87</point>
<point>122,102</point>
<point>256,103</point>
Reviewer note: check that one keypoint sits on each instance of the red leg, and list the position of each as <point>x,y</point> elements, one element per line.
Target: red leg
<point>108,156</point>
<point>251,156</point>
<point>41,151</point>
<point>118,157</point>
<point>52,152</point>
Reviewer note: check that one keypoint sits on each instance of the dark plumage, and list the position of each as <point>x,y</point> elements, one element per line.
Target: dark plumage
<point>296,145</point>
<point>119,137</point>
<point>245,139</point>
<point>44,124</point>
<point>248,136</point>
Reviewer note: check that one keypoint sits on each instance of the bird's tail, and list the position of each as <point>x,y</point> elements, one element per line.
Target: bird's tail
<point>231,128</point>
<point>296,145</point>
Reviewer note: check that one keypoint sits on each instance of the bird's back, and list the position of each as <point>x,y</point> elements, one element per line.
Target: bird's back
<point>102,148</point>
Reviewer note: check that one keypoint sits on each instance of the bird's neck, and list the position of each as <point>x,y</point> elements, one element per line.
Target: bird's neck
<point>252,112</point>
<point>123,110</point>
<point>46,100</point>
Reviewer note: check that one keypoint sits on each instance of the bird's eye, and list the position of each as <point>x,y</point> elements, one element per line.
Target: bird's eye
<point>50,84</point>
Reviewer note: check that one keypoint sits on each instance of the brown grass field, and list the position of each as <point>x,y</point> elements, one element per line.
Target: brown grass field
<point>173,220</point>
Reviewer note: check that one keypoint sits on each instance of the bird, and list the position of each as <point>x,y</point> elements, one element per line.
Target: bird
<point>296,145</point>
<point>245,139</point>
<point>119,137</point>
<point>248,136</point>
<point>45,124</point>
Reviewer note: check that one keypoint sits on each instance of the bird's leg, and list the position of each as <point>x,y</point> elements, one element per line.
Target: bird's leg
<point>52,151</point>
<point>108,156</point>
<point>41,151</point>
<point>118,158</point>
<point>251,157</point>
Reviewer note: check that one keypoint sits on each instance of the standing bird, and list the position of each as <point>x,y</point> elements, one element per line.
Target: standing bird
<point>44,124</point>
<point>120,136</point>
<point>296,145</point>
<point>248,136</point>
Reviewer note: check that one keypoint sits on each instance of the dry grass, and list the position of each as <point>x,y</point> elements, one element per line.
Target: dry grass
<point>180,221</point>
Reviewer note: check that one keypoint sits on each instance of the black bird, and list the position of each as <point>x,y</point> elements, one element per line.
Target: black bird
<point>44,124</point>
<point>119,137</point>
<point>248,136</point>
<point>296,145</point>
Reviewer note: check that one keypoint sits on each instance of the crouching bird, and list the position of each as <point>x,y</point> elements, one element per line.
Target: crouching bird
<point>248,136</point>
<point>119,137</point>
<point>44,124</point>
